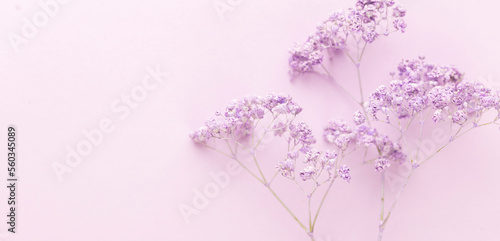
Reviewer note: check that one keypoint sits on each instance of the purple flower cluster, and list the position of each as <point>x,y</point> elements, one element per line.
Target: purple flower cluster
<point>239,120</point>
<point>317,164</point>
<point>344,172</point>
<point>363,136</point>
<point>240,116</point>
<point>420,85</point>
<point>381,164</point>
<point>299,135</point>
<point>365,22</point>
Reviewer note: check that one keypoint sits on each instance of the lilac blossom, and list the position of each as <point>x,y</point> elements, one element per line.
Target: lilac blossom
<point>365,22</point>
<point>363,136</point>
<point>301,134</point>
<point>344,173</point>
<point>359,118</point>
<point>381,164</point>
<point>287,168</point>
<point>312,156</point>
<point>279,129</point>
<point>420,91</point>
<point>420,85</point>
<point>328,160</point>
<point>240,116</point>
<point>238,128</point>
<point>308,173</point>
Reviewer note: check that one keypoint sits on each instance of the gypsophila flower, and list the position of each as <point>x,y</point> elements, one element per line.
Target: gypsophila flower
<point>239,129</point>
<point>293,155</point>
<point>359,118</point>
<point>381,164</point>
<point>399,24</point>
<point>459,117</point>
<point>312,156</point>
<point>369,37</point>
<point>344,173</point>
<point>238,120</point>
<point>279,129</point>
<point>334,129</point>
<point>363,136</point>
<point>366,21</point>
<point>328,160</point>
<point>286,168</point>
<point>307,173</point>
<point>281,104</point>
<point>301,134</point>
<point>201,135</point>
<point>420,85</point>
<point>319,168</point>
<point>399,12</point>
<point>438,116</point>
<point>343,141</point>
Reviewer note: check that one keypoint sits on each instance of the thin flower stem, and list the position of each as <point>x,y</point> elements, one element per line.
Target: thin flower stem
<point>419,138</point>
<point>265,132</point>
<point>298,185</point>
<point>359,83</point>
<point>341,86</point>
<point>230,149</point>
<point>368,161</point>
<point>327,72</point>
<point>441,148</point>
<point>309,206</point>
<point>458,132</point>
<point>386,17</point>
<point>260,170</point>
<point>454,137</point>
<point>253,131</point>
<point>314,190</point>
<point>272,179</point>
<point>362,52</point>
<point>268,186</point>
<point>401,131</point>
<point>366,153</point>
<point>406,142</point>
<point>287,209</point>
<point>265,183</point>
<point>239,162</point>
<point>358,73</point>
<point>351,58</point>
<point>407,124</point>
<point>321,204</point>
<point>382,198</point>
<point>382,225</point>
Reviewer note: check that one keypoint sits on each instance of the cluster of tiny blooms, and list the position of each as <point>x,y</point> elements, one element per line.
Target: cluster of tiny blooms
<point>365,23</point>
<point>362,136</point>
<point>240,116</point>
<point>420,85</point>
<point>239,120</point>
<point>317,163</point>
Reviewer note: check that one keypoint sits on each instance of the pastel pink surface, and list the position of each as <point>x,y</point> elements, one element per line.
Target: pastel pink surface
<point>64,82</point>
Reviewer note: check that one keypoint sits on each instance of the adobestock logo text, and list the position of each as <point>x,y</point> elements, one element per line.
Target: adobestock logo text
<point>31,26</point>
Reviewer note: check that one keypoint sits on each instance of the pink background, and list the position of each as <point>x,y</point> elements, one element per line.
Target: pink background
<point>64,80</point>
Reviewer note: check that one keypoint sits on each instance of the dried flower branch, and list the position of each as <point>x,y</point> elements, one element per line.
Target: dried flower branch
<point>238,128</point>
<point>423,92</point>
